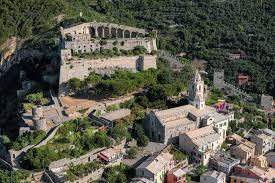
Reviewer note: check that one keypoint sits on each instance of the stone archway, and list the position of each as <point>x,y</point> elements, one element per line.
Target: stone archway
<point>113,32</point>
<point>106,32</point>
<point>127,34</point>
<point>100,32</point>
<point>134,35</point>
<point>92,31</point>
<point>120,33</point>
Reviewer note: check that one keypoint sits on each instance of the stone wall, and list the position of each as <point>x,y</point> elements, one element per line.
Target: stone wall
<point>14,155</point>
<point>100,29</point>
<point>121,44</point>
<point>82,68</point>
<point>64,163</point>
<point>91,177</point>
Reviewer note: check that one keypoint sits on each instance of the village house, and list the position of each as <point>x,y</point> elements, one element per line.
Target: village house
<point>165,126</point>
<point>222,162</point>
<point>155,167</point>
<point>270,158</point>
<point>110,155</point>
<point>254,172</point>
<point>264,140</point>
<point>176,176</point>
<point>213,177</point>
<point>200,144</point>
<point>141,180</point>
<point>242,148</point>
<point>259,161</point>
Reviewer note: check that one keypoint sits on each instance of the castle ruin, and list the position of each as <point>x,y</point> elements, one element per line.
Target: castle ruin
<point>88,37</point>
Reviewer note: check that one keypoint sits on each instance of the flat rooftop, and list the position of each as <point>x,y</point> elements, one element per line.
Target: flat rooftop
<point>118,114</point>
<point>214,174</point>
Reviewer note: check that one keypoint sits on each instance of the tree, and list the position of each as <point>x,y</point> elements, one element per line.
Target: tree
<point>74,84</point>
<point>132,153</point>
<point>36,98</point>
<point>139,50</point>
<point>143,140</point>
<point>101,139</point>
<point>120,131</point>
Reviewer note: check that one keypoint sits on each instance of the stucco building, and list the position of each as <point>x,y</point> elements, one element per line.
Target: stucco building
<point>156,167</point>
<point>222,162</point>
<point>259,161</point>
<point>213,177</point>
<point>264,140</point>
<point>165,126</point>
<point>200,144</point>
<point>270,158</point>
<point>176,176</point>
<point>242,148</point>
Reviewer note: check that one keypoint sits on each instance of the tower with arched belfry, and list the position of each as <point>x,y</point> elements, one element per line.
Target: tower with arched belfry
<point>197,91</point>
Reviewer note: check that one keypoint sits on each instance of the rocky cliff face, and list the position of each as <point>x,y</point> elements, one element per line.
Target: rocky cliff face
<point>12,53</point>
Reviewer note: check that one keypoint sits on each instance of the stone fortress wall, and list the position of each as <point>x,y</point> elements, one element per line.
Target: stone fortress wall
<point>83,67</point>
<point>84,38</point>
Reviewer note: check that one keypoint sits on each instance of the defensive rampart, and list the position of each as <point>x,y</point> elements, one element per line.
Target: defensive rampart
<point>82,68</point>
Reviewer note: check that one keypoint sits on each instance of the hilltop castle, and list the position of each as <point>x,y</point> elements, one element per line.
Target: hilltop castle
<point>94,36</point>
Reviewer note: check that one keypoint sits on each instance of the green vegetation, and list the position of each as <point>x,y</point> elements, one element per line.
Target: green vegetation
<point>132,153</point>
<point>78,171</point>
<point>225,146</point>
<point>107,53</point>
<point>118,174</point>
<point>19,176</point>
<point>121,83</point>
<point>34,99</point>
<point>253,118</point>
<point>178,155</point>
<point>160,83</point>
<point>82,111</point>
<point>112,108</point>
<point>73,139</point>
<point>121,131</point>
<point>143,140</point>
<point>205,29</point>
<point>28,138</point>
<point>196,173</point>
<point>214,95</point>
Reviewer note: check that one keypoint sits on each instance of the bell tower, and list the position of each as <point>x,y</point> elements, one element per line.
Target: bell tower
<point>196,91</point>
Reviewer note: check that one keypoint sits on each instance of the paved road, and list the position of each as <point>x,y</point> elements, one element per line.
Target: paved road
<point>59,108</point>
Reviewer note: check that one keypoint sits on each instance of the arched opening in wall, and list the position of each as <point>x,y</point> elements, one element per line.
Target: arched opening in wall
<point>134,35</point>
<point>100,32</point>
<point>106,32</point>
<point>140,35</point>
<point>92,31</point>
<point>120,33</point>
<point>127,34</point>
<point>113,33</point>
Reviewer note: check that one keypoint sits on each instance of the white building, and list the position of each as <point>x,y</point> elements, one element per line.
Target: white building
<point>156,167</point>
<point>213,177</point>
<point>201,143</point>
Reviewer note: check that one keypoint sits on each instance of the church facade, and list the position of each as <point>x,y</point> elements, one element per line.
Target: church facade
<point>166,126</point>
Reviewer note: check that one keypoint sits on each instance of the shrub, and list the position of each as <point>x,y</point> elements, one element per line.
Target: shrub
<point>132,153</point>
